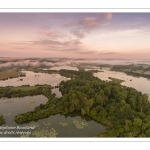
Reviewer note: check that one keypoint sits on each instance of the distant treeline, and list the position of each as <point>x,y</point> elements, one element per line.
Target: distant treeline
<point>130,70</point>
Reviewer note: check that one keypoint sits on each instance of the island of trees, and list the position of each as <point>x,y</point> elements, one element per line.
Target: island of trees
<point>123,110</point>
<point>133,70</point>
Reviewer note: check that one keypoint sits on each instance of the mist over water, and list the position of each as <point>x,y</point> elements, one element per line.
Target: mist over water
<point>115,61</point>
<point>64,63</point>
<point>33,79</point>
<point>28,63</point>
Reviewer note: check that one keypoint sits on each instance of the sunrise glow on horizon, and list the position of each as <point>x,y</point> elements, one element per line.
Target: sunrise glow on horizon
<point>75,35</point>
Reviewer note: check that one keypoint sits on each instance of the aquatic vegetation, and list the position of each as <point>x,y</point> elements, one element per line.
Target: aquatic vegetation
<point>9,101</point>
<point>79,124</point>
<point>53,75</point>
<point>33,102</point>
<point>2,120</point>
<point>47,124</point>
<point>12,100</point>
<point>25,135</point>
<point>45,133</point>
<point>63,123</point>
<point>7,114</point>
<point>34,124</point>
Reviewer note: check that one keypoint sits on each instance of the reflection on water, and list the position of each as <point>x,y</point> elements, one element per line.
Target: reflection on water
<point>64,67</point>
<point>13,106</point>
<point>115,61</point>
<point>57,92</point>
<point>72,125</point>
<point>140,84</point>
<point>33,79</point>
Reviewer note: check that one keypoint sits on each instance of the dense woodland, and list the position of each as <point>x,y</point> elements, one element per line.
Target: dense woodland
<point>24,90</point>
<point>123,110</point>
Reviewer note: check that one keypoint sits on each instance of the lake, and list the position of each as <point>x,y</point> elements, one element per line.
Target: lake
<point>34,78</point>
<point>139,83</point>
<point>64,67</point>
<point>72,125</point>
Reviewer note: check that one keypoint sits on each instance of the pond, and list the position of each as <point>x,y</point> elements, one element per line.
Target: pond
<point>72,125</point>
<point>140,84</point>
<point>64,67</point>
<point>34,78</point>
<point>57,92</point>
<point>10,107</point>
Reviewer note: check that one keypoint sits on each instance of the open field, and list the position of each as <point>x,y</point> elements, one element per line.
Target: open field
<point>9,74</point>
<point>25,87</point>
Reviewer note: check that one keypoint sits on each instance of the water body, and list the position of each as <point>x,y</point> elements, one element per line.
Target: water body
<point>33,79</point>
<point>139,83</point>
<point>72,125</point>
<point>64,67</point>
<point>114,61</point>
<point>10,107</point>
<point>57,92</point>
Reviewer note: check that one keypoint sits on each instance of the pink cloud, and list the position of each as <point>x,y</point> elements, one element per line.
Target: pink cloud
<point>108,16</point>
<point>49,33</point>
<point>78,33</point>
<point>88,22</point>
<point>55,42</point>
<point>85,52</point>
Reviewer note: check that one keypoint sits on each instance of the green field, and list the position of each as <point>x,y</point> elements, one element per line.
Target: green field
<point>9,74</point>
<point>24,87</point>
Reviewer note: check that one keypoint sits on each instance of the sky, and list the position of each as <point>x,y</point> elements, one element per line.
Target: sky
<point>75,35</point>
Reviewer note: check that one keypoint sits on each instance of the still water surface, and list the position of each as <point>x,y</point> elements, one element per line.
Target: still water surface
<point>33,79</point>
<point>64,67</point>
<point>72,125</point>
<point>139,83</point>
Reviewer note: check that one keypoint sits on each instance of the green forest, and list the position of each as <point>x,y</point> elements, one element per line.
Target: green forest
<point>123,110</point>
